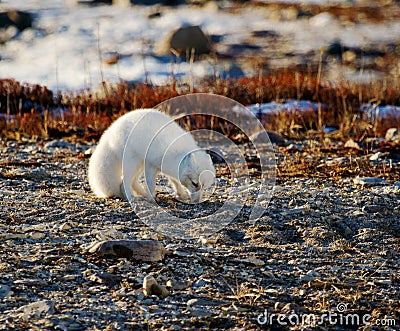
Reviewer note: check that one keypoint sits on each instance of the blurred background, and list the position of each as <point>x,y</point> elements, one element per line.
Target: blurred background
<point>71,45</point>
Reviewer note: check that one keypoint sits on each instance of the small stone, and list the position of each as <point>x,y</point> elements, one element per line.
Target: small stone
<point>121,292</point>
<point>392,134</point>
<point>36,235</point>
<point>309,276</point>
<point>352,144</point>
<point>376,156</point>
<point>370,181</point>
<point>37,309</point>
<point>78,192</point>
<point>178,285</point>
<point>148,283</point>
<point>160,290</point>
<point>205,302</point>
<point>8,236</point>
<point>373,208</point>
<point>349,56</point>
<point>208,241</point>
<point>294,148</point>
<point>273,137</point>
<point>5,291</point>
<point>64,227</point>
<point>59,144</point>
<point>89,151</point>
<point>105,278</point>
<point>200,312</point>
<point>254,261</point>
<point>348,232</point>
<point>31,282</point>
<point>201,283</point>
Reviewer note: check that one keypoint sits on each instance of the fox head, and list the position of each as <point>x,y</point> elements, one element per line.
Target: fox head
<point>197,173</point>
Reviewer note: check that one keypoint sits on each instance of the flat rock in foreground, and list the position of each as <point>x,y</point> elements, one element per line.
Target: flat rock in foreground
<point>144,250</point>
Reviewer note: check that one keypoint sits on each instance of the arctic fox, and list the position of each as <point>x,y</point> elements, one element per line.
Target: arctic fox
<point>148,141</point>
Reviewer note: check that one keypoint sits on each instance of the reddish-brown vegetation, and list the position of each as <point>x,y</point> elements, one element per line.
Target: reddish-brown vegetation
<point>35,110</point>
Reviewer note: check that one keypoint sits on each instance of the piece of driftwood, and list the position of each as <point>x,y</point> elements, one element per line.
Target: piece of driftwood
<point>143,250</point>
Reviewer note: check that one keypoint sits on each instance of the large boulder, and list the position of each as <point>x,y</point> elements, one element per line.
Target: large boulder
<point>186,41</point>
<point>15,18</point>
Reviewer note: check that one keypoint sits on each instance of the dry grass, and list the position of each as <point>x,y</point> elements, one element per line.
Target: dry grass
<point>33,110</point>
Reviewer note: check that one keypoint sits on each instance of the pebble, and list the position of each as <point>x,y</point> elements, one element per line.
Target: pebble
<point>370,181</point>
<point>31,282</point>
<point>228,277</point>
<point>352,144</point>
<point>374,208</point>
<point>36,235</point>
<point>376,156</point>
<point>105,278</point>
<point>253,261</point>
<point>205,302</point>
<point>294,148</point>
<point>392,134</point>
<point>151,287</point>
<point>36,309</point>
<point>201,283</point>
<point>178,285</point>
<point>201,312</point>
<point>5,291</point>
<point>64,227</point>
<point>309,276</point>
<point>59,144</point>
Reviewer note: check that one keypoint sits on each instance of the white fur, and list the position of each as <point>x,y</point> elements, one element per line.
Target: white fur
<point>148,141</point>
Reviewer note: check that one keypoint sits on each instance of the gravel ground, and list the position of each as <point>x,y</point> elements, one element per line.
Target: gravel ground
<point>326,251</point>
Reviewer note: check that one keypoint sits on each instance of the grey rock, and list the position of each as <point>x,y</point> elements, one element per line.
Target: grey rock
<point>201,312</point>
<point>186,40</point>
<point>273,137</point>
<point>205,302</point>
<point>178,285</point>
<point>37,309</point>
<point>105,278</point>
<point>201,283</point>
<point>148,283</point>
<point>352,144</point>
<point>376,156</point>
<point>19,19</point>
<point>374,208</point>
<point>370,181</point>
<point>144,250</point>
<point>5,290</point>
<point>151,287</point>
<point>294,148</point>
<point>31,282</point>
<point>59,144</point>
<point>8,33</point>
<point>392,134</point>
